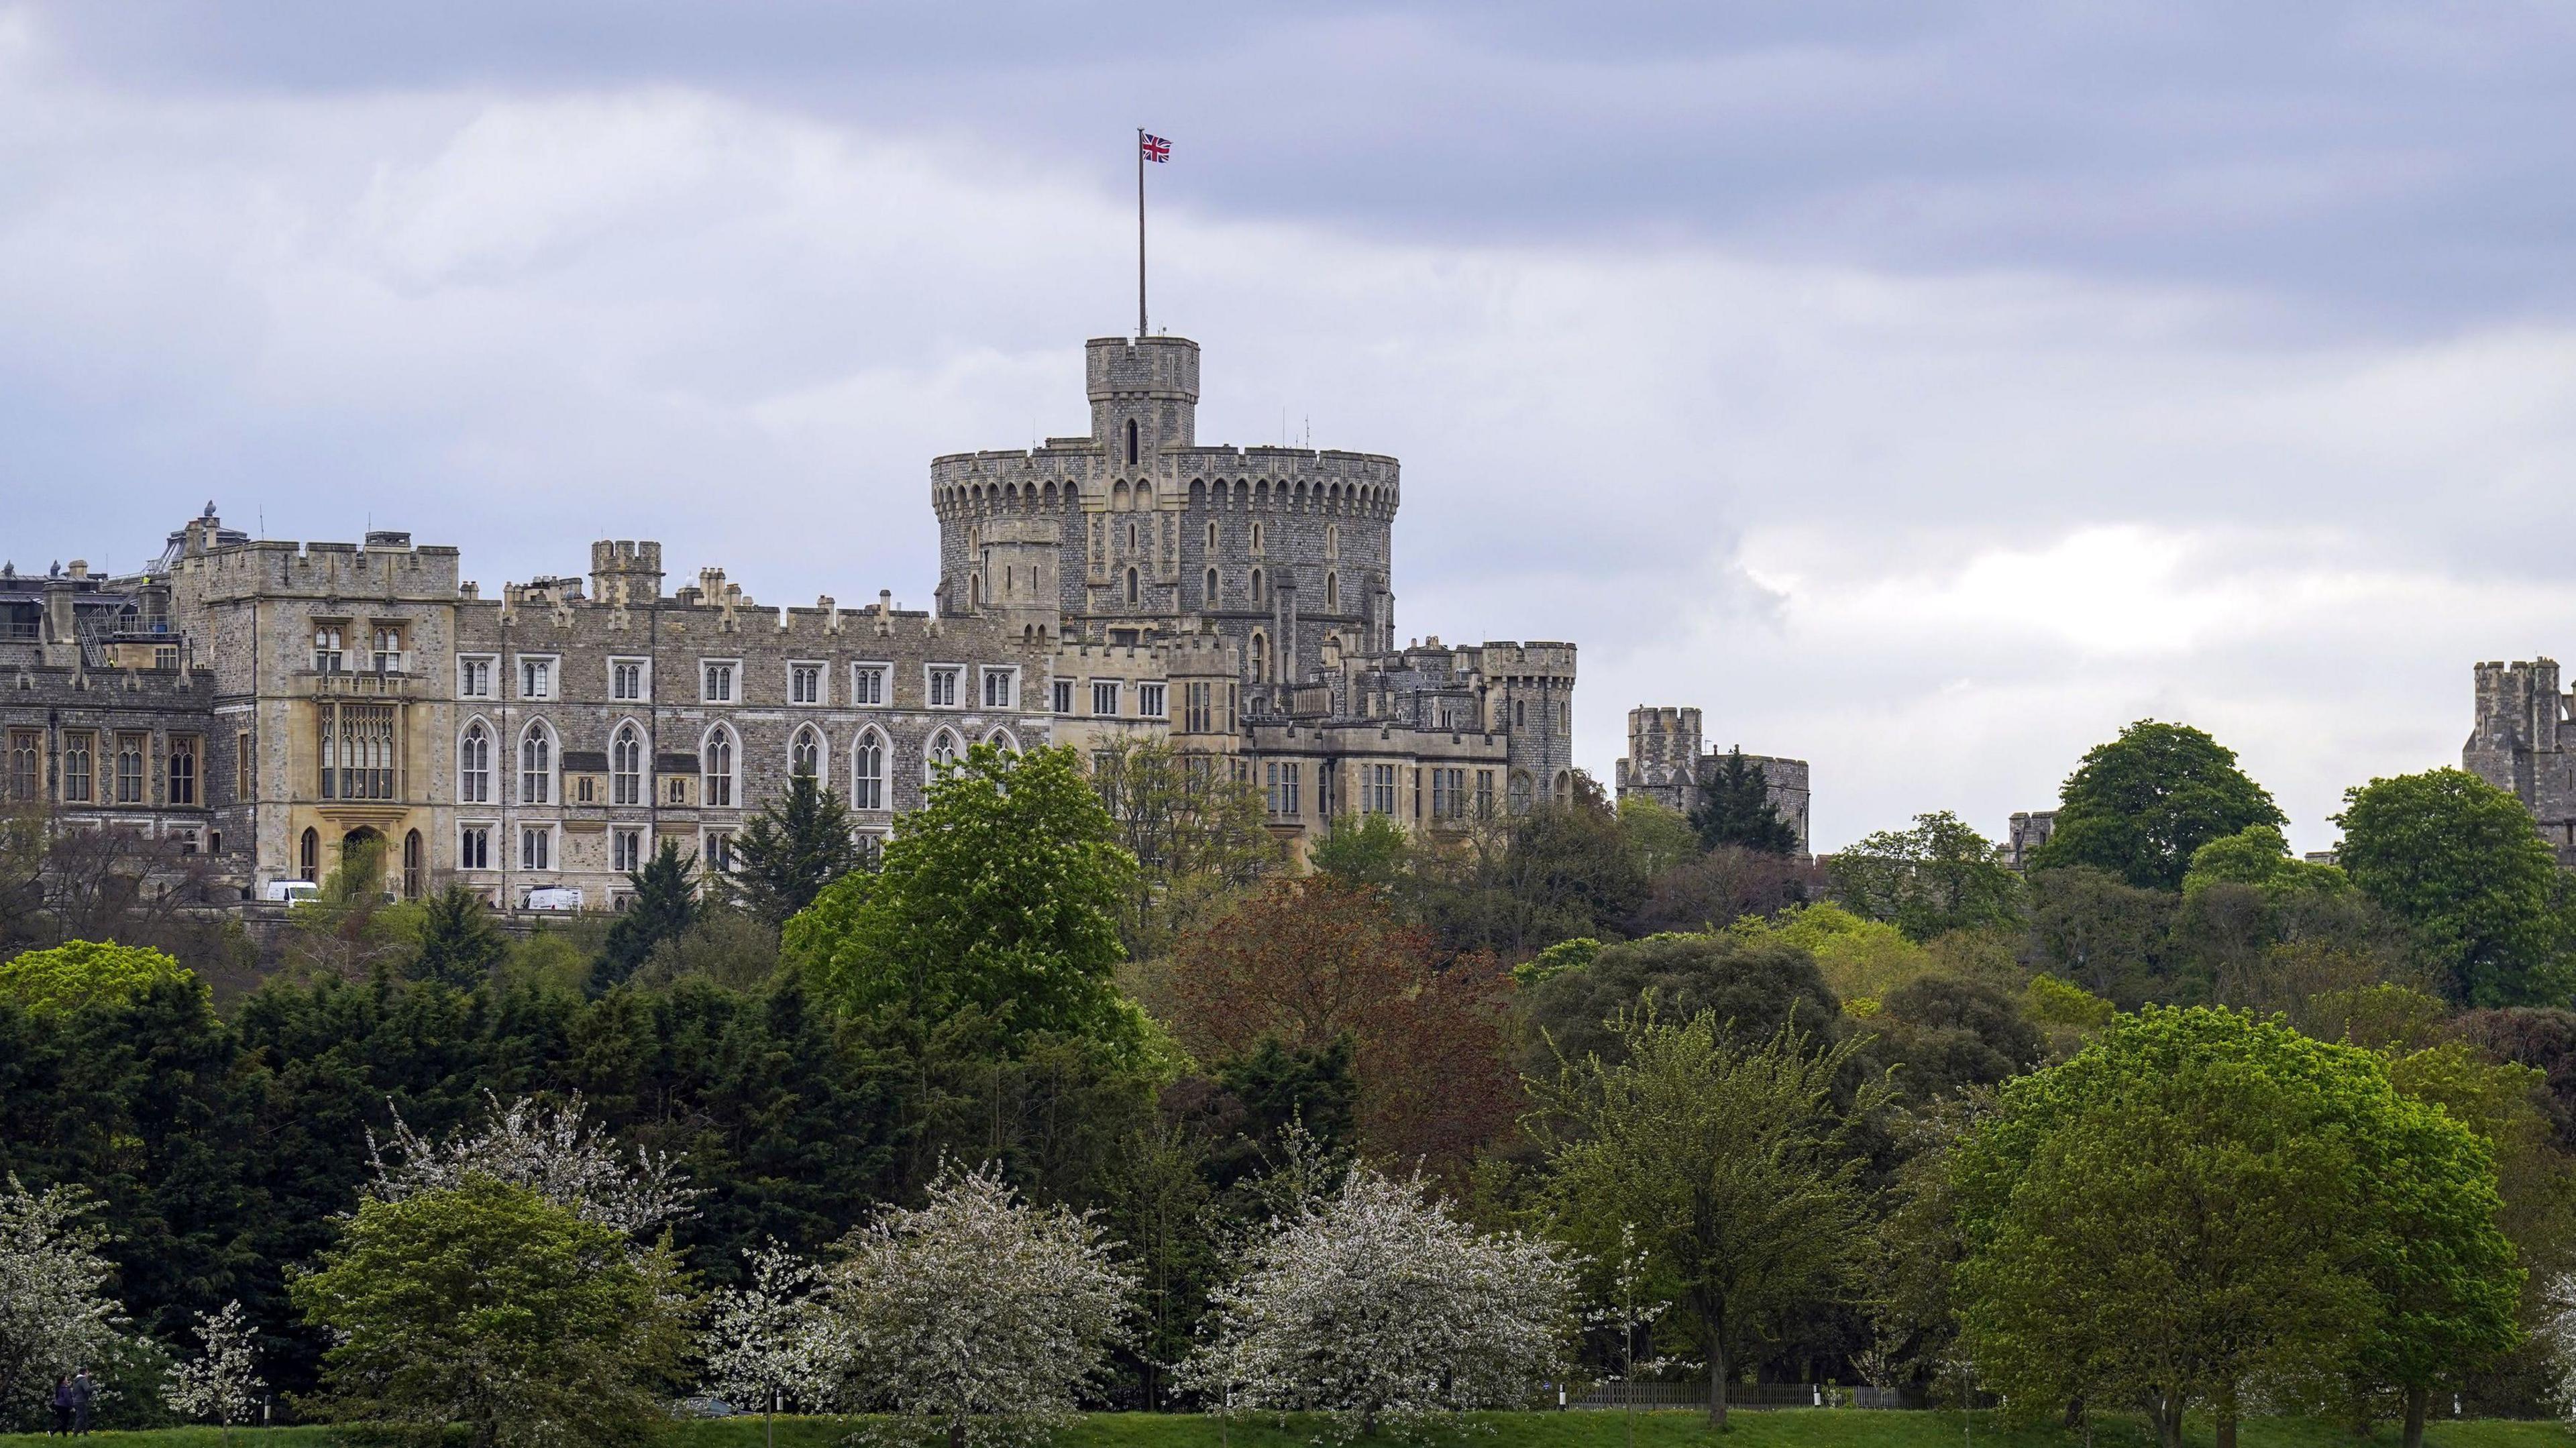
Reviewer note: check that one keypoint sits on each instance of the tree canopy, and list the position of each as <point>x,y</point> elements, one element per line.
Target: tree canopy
<point>797,844</point>
<point>83,972</point>
<point>1734,808</point>
<point>1001,894</point>
<point>2138,806</point>
<point>1937,877</point>
<point>2462,863</point>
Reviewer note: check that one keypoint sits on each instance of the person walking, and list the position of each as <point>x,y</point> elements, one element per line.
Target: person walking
<point>83,1391</point>
<point>63,1404</point>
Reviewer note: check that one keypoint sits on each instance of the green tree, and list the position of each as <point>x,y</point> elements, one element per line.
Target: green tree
<point>1937,877</point>
<point>1735,809</point>
<point>794,847</point>
<point>2200,1203</point>
<point>1751,986</point>
<point>2259,856</point>
<point>1659,837</point>
<point>2089,928</point>
<point>80,973</point>
<point>2461,862</point>
<point>1729,1167</point>
<point>1200,837</point>
<point>458,943</point>
<point>1365,849</point>
<point>664,907</point>
<point>1000,894</point>
<point>487,1306</point>
<point>2140,805</point>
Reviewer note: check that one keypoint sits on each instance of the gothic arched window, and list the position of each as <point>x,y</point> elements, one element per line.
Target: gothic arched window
<point>474,765</point>
<point>626,766</point>
<point>536,764</point>
<point>805,753</point>
<point>867,772</point>
<point>715,769</point>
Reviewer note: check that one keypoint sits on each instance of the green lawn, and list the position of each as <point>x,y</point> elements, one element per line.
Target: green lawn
<point>1797,1428</point>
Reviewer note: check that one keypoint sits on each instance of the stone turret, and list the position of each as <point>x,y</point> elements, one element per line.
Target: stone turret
<point>1144,396</point>
<point>624,573</point>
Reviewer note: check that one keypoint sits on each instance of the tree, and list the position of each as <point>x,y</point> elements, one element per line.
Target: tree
<point>458,942</point>
<point>1376,1306</point>
<point>2462,863</point>
<point>1941,1036</point>
<point>55,1312</point>
<point>2090,928</point>
<point>664,907</point>
<point>1000,894</point>
<point>1659,837</point>
<point>487,1305</point>
<point>2200,1205</point>
<point>559,1154</point>
<point>1729,1165</point>
<point>2138,806</point>
<point>1363,849</point>
<point>83,972</point>
<point>770,1341</point>
<point>1937,877</point>
<point>1734,808</point>
<point>1751,988</point>
<point>223,1383</point>
<point>2258,855</point>
<point>794,847</point>
<point>976,1311</point>
<point>1199,835</point>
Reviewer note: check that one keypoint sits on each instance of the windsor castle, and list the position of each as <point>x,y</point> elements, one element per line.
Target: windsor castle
<point>258,707</point>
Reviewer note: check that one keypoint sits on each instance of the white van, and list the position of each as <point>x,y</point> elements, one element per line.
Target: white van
<point>554,897</point>
<point>289,891</point>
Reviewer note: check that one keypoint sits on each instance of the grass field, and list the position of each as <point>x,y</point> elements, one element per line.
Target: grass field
<point>1807,1428</point>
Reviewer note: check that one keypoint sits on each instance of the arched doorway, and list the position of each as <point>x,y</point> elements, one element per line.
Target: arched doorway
<point>362,856</point>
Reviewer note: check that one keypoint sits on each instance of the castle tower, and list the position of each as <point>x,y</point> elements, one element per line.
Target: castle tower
<point>1144,397</point>
<point>625,573</point>
<point>1015,575</point>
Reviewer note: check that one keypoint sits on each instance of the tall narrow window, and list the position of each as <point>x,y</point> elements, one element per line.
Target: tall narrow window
<point>1260,657</point>
<point>1211,588</point>
<point>411,866</point>
<point>474,765</point>
<point>867,772</point>
<point>183,769</point>
<point>76,768</point>
<point>1332,593</point>
<point>941,753</point>
<point>715,769</point>
<point>26,766</point>
<point>1132,593</point>
<point>1256,588</point>
<point>626,766</point>
<point>1131,440</point>
<point>245,767</point>
<point>130,749</point>
<point>327,653</point>
<point>308,856</point>
<point>805,754</point>
<point>388,650</point>
<point>536,765</point>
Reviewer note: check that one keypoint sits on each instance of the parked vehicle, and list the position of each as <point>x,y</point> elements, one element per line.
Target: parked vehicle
<point>554,897</point>
<point>289,891</point>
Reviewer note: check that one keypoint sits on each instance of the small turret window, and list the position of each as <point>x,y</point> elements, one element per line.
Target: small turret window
<point>1131,440</point>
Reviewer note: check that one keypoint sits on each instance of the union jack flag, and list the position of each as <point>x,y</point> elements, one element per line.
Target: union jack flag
<point>1156,148</point>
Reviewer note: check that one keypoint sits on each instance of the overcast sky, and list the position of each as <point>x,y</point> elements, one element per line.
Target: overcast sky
<point>1922,389</point>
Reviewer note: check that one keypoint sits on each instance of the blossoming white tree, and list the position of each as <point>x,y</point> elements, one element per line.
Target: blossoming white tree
<point>1375,1305</point>
<point>977,1313</point>
<point>555,1152</point>
<point>223,1384</point>
<point>2558,1335</point>
<point>772,1341</point>
<point>55,1312</point>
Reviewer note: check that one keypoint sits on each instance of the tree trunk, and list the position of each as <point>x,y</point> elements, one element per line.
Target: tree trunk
<point>2416,1395</point>
<point>2075,1412</point>
<point>1716,1384</point>
<point>2226,1413</point>
<point>2168,1415</point>
<point>957,1432</point>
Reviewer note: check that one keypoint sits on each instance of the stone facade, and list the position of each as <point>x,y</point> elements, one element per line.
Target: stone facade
<point>273,702</point>
<point>1666,763</point>
<point>2025,833</point>
<point>2523,743</point>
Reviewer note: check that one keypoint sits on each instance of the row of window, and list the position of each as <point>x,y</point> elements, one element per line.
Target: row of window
<point>720,681</point>
<point>383,649</point>
<point>102,768</point>
<point>1107,696</point>
<point>717,754</point>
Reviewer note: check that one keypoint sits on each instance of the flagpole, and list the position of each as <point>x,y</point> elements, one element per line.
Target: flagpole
<point>1140,233</point>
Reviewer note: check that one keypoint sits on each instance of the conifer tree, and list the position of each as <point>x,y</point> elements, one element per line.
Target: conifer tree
<point>458,943</point>
<point>665,905</point>
<point>792,849</point>
<point>1735,809</point>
